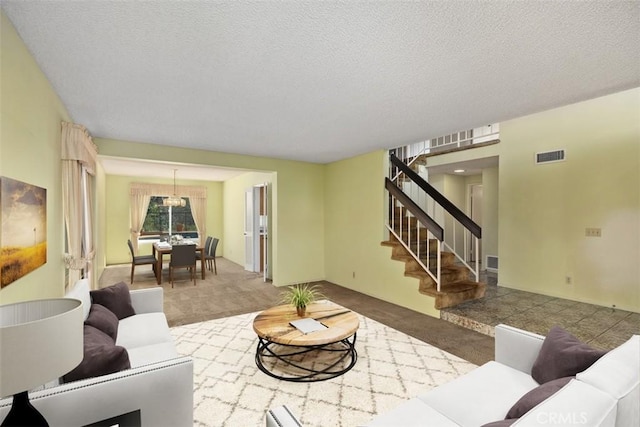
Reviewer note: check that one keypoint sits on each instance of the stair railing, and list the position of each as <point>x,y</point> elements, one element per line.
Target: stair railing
<point>409,154</point>
<point>426,230</point>
<point>452,217</point>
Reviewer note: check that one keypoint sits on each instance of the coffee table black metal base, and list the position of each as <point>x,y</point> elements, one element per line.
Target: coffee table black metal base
<point>345,349</point>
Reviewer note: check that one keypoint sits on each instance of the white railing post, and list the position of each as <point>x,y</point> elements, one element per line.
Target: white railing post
<point>438,280</point>
<point>477,259</point>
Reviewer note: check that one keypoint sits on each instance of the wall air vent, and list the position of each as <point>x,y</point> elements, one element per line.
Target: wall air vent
<point>550,156</point>
<point>492,263</point>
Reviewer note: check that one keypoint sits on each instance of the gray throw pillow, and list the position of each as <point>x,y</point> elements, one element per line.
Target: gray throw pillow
<point>116,298</point>
<point>101,356</point>
<point>103,319</point>
<point>562,355</point>
<point>536,396</point>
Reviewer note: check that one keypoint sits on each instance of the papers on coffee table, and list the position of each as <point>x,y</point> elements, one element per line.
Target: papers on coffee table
<point>307,325</point>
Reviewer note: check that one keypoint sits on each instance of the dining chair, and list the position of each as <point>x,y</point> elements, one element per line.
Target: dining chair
<point>140,260</point>
<point>210,255</point>
<point>183,256</point>
<point>207,244</point>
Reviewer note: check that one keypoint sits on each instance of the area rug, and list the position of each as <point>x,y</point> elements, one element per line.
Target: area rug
<point>229,390</point>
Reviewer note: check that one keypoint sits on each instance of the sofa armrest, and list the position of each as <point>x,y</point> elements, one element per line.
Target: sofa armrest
<point>517,348</point>
<point>149,300</point>
<point>162,392</point>
<point>281,417</point>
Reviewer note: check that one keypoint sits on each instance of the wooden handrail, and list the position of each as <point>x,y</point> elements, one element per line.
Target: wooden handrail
<point>455,212</point>
<point>415,210</point>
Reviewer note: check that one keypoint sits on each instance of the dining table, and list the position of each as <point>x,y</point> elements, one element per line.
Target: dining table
<point>160,249</point>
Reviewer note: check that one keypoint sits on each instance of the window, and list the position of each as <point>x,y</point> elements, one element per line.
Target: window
<point>168,220</point>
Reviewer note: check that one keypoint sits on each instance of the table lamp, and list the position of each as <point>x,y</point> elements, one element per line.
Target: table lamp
<point>40,340</point>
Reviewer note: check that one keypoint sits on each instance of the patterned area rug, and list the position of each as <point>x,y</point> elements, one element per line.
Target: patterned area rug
<point>229,390</point>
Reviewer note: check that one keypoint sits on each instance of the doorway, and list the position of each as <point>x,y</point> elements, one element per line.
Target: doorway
<point>256,230</point>
<point>475,207</point>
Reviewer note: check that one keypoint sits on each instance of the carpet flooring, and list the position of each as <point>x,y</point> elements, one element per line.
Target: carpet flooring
<point>235,291</point>
<point>229,390</point>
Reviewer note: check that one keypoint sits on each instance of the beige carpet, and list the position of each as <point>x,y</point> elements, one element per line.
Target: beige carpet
<point>235,291</point>
<point>229,390</point>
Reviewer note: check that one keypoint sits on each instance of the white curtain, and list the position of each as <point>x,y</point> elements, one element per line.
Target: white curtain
<point>139,206</point>
<point>141,194</point>
<point>78,159</point>
<point>199,214</point>
<point>73,206</point>
<point>89,215</point>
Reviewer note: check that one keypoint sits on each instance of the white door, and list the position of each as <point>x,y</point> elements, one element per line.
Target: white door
<point>248,229</point>
<point>255,230</point>
<point>255,217</point>
<point>264,226</point>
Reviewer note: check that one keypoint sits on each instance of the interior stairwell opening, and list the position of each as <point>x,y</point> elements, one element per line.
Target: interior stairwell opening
<point>419,238</point>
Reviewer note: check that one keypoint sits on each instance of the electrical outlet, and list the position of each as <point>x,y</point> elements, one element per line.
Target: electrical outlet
<point>568,280</point>
<point>354,274</point>
<point>593,232</point>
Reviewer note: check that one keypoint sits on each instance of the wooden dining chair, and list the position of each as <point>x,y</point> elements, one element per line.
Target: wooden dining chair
<point>140,260</point>
<point>183,256</point>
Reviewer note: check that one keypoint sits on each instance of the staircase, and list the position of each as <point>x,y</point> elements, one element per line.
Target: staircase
<point>455,286</point>
<point>417,240</point>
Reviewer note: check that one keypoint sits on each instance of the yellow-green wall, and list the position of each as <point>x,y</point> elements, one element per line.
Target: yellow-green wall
<point>117,212</point>
<point>490,213</point>
<point>297,199</point>
<point>544,209</point>
<point>354,223</point>
<point>30,116</point>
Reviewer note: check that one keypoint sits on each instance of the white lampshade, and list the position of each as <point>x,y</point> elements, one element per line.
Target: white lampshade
<point>40,340</point>
<point>174,201</point>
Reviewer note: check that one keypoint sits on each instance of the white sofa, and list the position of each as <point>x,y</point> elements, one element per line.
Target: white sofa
<point>159,384</point>
<point>605,394</point>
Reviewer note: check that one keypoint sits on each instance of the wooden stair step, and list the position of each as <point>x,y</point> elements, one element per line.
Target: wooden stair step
<point>455,285</point>
<point>448,274</point>
<point>455,293</point>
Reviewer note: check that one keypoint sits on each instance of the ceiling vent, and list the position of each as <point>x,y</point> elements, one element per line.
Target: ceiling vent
<point>550,156</point>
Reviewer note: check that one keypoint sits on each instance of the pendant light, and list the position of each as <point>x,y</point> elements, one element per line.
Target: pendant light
<point>174,200</point>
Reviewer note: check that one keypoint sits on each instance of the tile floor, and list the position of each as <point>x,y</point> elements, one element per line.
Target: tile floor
<point>599,326</point>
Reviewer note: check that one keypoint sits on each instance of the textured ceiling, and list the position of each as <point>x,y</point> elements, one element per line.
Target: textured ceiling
<point>322,81</point>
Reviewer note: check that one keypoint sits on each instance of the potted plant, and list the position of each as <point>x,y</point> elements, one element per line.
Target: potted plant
<point>300,296</point>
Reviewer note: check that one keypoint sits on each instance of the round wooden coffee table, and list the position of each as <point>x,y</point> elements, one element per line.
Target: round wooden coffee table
<point>286,353</point>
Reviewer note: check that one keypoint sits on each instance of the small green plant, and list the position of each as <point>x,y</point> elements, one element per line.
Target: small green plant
<point>300,296</point>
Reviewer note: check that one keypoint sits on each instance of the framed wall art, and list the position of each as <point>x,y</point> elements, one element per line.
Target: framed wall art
<point>23,229</point>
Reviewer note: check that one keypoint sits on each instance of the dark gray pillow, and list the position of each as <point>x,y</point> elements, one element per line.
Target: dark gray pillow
<point>501,423</point>
<point>536,396</point>
<point>116,298</point>
<point>562,355</point>
<point>100,317</point>
<point>101,356</point>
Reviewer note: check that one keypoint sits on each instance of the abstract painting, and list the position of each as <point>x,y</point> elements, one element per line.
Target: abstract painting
<point>23,230</point>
